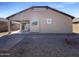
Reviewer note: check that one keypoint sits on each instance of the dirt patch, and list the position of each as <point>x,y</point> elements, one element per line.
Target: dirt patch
<point>45,45</point>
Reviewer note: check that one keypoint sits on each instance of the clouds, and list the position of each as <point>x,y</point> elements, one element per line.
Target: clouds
<point>71,8</point>
<point>56,5</point>
<point>62,4</point>
<point>69,3</point>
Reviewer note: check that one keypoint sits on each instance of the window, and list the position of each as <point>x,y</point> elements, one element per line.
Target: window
<point>49,21</point>
<point>34,22</point>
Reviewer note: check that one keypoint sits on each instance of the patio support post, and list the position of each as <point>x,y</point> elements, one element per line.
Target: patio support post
<point>20,27</point>
<point>9,26</point>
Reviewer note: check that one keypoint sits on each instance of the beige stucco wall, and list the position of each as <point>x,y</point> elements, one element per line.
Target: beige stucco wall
<point>60,23</point>
<point>76,27</point>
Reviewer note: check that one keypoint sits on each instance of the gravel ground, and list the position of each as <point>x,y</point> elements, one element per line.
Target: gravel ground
<point>46,45</point>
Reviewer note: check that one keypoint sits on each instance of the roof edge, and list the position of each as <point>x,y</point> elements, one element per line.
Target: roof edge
<point>40,7</point>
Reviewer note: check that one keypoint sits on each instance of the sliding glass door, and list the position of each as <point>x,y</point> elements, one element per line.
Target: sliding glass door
<point>25,27</point>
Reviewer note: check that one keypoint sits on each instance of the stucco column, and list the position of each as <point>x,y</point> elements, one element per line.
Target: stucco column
<point>20,27</point>
<point>9,26</point>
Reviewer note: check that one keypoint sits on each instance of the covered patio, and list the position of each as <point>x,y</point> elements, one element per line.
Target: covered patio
<point>24,26</point>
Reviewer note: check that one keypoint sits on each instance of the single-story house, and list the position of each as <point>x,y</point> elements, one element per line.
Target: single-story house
<point>4,25</point>
<point>42,19</point>
<point>76,25</point>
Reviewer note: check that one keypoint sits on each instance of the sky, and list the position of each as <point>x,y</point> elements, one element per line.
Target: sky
<point>9,8</point>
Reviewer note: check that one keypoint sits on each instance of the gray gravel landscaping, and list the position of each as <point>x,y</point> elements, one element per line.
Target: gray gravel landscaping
<point>45,45</point>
